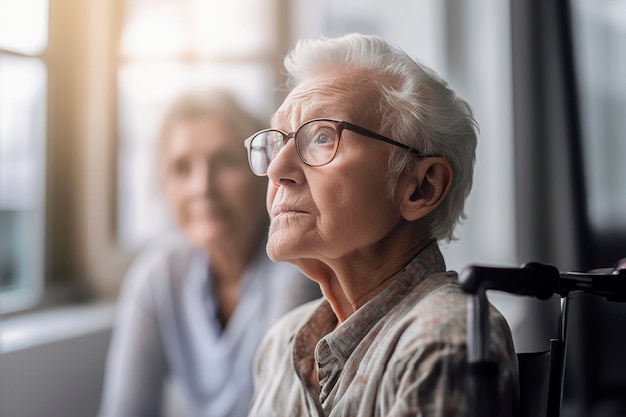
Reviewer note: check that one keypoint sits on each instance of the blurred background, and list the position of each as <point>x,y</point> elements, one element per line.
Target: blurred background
<point>83,84</point>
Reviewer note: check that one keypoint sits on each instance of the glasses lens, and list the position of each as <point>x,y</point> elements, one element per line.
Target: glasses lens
<point>317,142</point>
<point>263,149</point>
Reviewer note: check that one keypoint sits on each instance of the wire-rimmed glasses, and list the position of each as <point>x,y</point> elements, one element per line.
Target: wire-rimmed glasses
<point>316,140</point>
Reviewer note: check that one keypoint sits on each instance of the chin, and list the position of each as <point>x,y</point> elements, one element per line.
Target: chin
<point>285,247</point>
<point>274,251</point>
<point>207,239</point>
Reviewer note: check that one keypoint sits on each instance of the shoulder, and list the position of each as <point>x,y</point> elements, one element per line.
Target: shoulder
<point>158,264</point>
<point>273,355</point>
<point>437,307</point>
<point>433,329</point>
<point>439,311</point>
<point>436,322</point>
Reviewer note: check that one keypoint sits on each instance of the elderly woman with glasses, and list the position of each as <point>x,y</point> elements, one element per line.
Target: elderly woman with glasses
<point>370,160</point>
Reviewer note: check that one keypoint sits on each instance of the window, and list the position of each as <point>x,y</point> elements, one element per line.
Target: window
<point>600,33</point>
<point>23,94</point>
<point>77,183</point>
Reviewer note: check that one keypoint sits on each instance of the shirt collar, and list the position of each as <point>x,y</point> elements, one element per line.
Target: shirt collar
<point>343,340</point>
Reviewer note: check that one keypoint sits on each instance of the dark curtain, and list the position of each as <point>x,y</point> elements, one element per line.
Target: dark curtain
<point>552,222</point>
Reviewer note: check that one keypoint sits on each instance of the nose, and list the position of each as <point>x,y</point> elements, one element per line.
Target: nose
<point>286,167</point>
<point>201,181</point>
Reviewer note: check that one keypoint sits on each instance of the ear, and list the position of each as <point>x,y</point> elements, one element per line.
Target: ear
<point>428,185</point>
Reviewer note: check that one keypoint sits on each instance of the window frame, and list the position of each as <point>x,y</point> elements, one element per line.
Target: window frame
<point>81,258</point>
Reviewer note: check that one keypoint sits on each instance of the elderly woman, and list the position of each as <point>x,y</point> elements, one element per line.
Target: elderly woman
<point>369,160</point>
<point>194,310</point>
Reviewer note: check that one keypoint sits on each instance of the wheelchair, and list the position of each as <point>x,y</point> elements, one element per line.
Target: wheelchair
<point>540,373</point>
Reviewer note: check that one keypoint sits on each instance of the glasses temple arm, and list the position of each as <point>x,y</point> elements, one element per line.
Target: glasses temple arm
<point>366,132</point>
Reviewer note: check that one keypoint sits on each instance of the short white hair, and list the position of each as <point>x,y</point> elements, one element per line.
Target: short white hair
<point>416,107</point>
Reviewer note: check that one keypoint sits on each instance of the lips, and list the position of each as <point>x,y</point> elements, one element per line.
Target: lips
<point>285,209</point>
<point>207,211</point>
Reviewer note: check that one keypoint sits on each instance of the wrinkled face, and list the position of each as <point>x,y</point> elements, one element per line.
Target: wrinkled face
<point>211,191</point>
<point>339,209</point>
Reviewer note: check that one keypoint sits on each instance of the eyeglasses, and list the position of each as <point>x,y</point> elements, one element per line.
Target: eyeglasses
<point>317,142</point>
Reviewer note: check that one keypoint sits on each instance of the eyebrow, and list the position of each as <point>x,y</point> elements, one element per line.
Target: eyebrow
<point>317,112</point>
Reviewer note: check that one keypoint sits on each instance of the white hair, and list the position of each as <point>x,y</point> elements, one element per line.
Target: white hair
<point>415,107</point>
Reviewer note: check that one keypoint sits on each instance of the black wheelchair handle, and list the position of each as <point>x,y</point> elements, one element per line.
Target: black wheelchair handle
<point>532,279</point>
<point>542,281</point>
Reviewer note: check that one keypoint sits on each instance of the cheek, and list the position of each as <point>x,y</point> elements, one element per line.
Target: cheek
<point>175,196</point>
<point>341,220</point>
<point>244,193</point>
<point>358,210</point>
<point>342,199</point>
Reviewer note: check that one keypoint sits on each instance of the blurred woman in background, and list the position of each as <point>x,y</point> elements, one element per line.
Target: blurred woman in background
<point>194,310</point>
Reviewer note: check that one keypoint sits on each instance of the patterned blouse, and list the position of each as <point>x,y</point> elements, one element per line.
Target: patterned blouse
<point>403,353</point>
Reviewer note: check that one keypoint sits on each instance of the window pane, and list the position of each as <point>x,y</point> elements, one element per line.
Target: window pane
<point>600,29</point>
<point>24,25</point>
<point>206,27</point>
<point>145,89</point>
<point>153,28</point>
<point>22,143</point>
<point>233,27</point>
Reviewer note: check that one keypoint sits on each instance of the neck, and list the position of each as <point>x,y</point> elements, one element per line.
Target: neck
<point>230,259</point>
<point>228,264</point>
<point>350,282</point>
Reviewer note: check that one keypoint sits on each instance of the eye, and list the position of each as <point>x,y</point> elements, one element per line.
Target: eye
<point>317,142</point>
<point>227,160</point>
<point>321,135</point>
<point>322,138</point>
<point>181,167</point>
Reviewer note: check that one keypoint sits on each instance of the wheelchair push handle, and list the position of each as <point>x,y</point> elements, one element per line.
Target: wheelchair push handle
<point>542,281</point>
<point>532,279</point>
